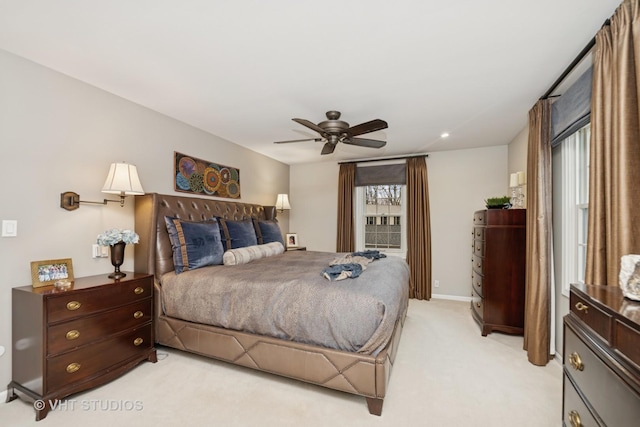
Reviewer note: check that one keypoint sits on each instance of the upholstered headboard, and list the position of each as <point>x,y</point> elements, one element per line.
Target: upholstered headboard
<point>153,254</point>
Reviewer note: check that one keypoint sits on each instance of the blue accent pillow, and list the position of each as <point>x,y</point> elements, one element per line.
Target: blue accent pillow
<point>194,244</point>
<point>268,231</point>
<point>237,234</point>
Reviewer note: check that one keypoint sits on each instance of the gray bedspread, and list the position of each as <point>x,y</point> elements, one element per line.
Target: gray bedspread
<point>285,296</point>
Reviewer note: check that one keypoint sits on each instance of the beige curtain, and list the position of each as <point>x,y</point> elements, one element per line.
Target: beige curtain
<point>418,229</point>
<point>614,174</point>
<point>346,185</point>
<point>537,315</point>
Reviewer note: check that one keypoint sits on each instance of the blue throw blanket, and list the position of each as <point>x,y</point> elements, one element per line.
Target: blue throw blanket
<point>371,254</point>
<point>342,271</point>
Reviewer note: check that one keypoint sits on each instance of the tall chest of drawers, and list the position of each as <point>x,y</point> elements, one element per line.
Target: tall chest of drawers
<point>498,270</point>
<point>601,385</point>
<point>69,341</point>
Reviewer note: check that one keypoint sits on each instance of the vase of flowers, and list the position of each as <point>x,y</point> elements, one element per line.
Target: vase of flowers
<point>117,239</point>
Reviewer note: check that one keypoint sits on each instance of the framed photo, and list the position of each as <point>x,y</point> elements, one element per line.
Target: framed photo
<point>47,272</point>
<point>292,240</point>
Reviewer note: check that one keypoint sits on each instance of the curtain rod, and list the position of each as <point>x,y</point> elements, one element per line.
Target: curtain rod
<point>383,159</point>
<point>573,65</point>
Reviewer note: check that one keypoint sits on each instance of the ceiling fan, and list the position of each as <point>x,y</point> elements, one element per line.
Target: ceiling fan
<point>334,130</point>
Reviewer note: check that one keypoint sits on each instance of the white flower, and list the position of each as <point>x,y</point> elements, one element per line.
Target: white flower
<point>115,235</point>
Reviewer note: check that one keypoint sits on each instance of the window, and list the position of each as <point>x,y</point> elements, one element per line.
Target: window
<point>379,211</point>
<point>575,208</point>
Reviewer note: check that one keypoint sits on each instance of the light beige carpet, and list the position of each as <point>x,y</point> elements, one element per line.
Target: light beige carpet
<point>446,374</point>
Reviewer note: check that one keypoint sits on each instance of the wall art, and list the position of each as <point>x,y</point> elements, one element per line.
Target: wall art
<point>197,176</point>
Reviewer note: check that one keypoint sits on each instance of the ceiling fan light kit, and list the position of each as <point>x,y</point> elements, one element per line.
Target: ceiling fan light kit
<point>334,130</point>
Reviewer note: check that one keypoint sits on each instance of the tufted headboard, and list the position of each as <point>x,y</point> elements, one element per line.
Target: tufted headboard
<point>153,254</point>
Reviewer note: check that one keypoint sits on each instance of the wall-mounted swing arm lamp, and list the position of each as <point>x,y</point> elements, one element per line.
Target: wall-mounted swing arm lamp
<point>122,179</point>
<point>282,202</point>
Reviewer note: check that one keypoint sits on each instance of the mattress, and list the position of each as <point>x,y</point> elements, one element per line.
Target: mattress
<point>286,297</point>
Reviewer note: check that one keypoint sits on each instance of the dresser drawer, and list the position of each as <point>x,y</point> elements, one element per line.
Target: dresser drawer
<point>592,316</point>
<point>608,394</point>
<point>76,333</point>
<point>83,302</point>
<point>478,233</point>
<point>89,361</point>
<point>476,281</point>
<point>477,304</point>
<point>480,218</point>
<point>476,264</point>
<point>478,248</point>
<point>574,411</point>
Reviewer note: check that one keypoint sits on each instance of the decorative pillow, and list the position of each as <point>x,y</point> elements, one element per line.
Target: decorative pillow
<point>251,253</point>
<point>194,244</point>
<point>237,234</point>
<point>268,231</point>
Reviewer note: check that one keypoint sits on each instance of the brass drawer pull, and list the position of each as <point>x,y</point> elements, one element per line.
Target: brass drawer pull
<point>73,305</point>
<point>138,314</point>
<point>478,304</point>
<point>72,335</point>
<point>576,362</point>
<point>138,341</point>
<point>138,290</point>
<point>73,367</point>
<point>574,419</point>
<point>582,307</point>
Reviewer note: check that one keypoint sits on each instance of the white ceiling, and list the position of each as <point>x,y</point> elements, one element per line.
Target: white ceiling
<point>242,69</point>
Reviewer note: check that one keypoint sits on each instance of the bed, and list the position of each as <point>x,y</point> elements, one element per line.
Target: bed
<point>283,345</point>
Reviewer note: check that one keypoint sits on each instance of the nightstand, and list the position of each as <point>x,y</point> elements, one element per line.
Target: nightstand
<point>68,341</point>
<point>299,248</point>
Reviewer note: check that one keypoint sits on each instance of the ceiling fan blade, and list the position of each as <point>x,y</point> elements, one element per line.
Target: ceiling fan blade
<point>310,125</point>
<point>367,127</point>
<point>328,148</point>
<point>364,142</point>
<point>297,140</point>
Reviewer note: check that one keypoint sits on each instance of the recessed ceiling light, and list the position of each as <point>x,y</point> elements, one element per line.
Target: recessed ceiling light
<point>444,135</point>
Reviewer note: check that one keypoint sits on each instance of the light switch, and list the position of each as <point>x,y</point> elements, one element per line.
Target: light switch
<point>9,228</point>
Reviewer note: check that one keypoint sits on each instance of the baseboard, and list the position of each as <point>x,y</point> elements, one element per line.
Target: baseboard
<point>451,297</point>
<point>3,397</point>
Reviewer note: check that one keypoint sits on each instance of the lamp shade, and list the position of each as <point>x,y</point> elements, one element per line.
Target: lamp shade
<point>282,202</point>
<point>123,179</point>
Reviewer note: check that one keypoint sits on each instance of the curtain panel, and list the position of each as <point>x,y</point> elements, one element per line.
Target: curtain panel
<point>614,174</point>
<point>538,287</point>
<point>346,185</point>
<point>418,229</point>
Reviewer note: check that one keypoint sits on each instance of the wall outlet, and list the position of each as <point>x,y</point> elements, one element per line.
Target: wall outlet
<point>98,251</point>
<point>436,283</point>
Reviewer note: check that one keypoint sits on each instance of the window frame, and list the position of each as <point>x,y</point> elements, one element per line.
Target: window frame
<point>361,220</point>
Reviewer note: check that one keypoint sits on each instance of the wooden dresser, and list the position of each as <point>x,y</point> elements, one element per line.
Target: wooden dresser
<point>601,358</point>
<point>68,341</point>
<point>498,267</point>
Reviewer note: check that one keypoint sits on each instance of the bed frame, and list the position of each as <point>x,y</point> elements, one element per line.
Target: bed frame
<point>359,374</point>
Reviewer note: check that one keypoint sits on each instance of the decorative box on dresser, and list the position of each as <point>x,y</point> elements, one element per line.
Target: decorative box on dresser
<point>601,351</point>
<point>498,267</point>
<point>66,341</point>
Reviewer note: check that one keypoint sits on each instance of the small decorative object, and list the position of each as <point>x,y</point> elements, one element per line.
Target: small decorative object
<point>44,273</point>
<point>292,240</point>
<point>116,239</point>
<point>629,277</point>
<point>503,202</point>
<point>62,285</point>
<point>198,176</point>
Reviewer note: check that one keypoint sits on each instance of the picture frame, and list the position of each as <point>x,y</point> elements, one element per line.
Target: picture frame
<point>292,240</point>
<point>47,272</point>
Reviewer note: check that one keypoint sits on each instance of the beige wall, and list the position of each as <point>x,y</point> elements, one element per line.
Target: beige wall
<point>459,181</point>
<point>58,134</point>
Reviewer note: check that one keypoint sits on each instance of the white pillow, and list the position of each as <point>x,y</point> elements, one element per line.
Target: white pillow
<point>250,253</point>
